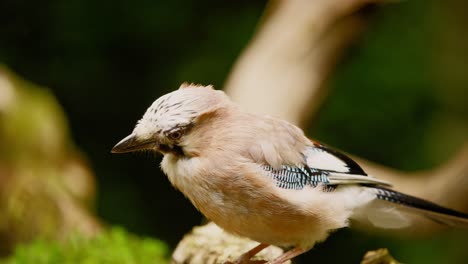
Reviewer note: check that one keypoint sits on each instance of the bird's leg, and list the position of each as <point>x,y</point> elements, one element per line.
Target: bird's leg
<point>288,255</point>
<point>245,258</point>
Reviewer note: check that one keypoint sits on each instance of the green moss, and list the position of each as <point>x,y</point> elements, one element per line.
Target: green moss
<point>114,246</point>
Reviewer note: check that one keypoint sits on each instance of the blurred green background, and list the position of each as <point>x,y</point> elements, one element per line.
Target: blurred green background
<point>399,97</point>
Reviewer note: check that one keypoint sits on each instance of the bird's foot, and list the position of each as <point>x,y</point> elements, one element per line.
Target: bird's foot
<point>246,257</point>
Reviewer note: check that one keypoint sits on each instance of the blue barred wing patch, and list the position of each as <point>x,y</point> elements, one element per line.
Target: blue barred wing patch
<point>297,178</point>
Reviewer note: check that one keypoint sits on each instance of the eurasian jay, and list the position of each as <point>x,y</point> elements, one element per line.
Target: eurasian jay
<point>262,178</point>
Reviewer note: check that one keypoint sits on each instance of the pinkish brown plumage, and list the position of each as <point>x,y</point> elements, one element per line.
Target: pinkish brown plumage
<point>260,177</point>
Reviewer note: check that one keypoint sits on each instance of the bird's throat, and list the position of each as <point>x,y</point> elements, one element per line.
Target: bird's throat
<point>174,150</point>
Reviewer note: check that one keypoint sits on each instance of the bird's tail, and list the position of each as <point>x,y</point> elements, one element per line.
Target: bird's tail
<point>390,210</point>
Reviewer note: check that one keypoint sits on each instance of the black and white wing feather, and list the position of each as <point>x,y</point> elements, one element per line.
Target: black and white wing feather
<point>323,166</point>
<point>329,168</point>
<point>324,158</point>
<point>297,178</point>
<point>340,168</point>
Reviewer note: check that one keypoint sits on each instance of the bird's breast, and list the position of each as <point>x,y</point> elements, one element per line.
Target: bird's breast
<point>243,203</point>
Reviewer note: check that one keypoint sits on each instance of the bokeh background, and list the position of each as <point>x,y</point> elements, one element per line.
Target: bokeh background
<point>399,97</point>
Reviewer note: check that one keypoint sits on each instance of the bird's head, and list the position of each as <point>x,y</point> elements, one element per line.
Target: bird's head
<point>167,124</point>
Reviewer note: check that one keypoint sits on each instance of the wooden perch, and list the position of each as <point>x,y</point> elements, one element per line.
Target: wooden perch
<point>209,244</point>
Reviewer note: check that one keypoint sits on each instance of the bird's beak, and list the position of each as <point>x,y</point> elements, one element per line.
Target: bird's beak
<point>132,143</point>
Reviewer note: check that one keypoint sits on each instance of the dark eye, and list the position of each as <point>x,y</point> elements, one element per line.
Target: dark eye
<point>174,135</point>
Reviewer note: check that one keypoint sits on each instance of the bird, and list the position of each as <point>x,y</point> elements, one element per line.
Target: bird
<point>260,177</point>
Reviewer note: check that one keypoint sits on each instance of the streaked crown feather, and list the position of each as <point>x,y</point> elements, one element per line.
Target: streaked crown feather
<point>179,108</point>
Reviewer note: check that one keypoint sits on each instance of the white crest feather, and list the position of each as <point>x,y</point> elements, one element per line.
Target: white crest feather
<point>178,108</point>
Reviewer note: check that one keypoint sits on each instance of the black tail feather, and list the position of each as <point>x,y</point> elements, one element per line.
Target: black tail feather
<point>431,210</point>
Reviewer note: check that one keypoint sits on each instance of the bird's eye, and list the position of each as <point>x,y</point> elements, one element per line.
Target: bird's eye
<point>174,135</point>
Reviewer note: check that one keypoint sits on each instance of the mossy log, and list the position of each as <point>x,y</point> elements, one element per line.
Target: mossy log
<point>46,187</point>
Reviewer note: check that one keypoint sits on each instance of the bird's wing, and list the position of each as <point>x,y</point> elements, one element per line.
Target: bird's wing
<point>340,168</point>
<point>337,178</point>
<point>296,177</point>
<point>321,157</point>
<point>324,166</point>
<point>330,168</point>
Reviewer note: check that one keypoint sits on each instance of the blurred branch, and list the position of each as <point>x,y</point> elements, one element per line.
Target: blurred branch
<point>283,70</point>
<point>291,56</point>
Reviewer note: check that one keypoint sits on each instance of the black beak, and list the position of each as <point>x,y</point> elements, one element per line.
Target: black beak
<point>131,143</point>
